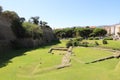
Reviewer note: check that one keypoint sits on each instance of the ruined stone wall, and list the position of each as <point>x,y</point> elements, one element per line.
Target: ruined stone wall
<point>6,35</point>
<point>5,30</point>
<point>4,46</point>
<point>29,42</point>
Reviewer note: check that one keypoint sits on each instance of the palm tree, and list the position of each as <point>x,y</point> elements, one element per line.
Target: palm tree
<point>22,19</point>
<point>43,23</point>
<point>35,20</point>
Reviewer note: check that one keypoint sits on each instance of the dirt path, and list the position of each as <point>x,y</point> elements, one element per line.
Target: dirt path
<point>65,62</point>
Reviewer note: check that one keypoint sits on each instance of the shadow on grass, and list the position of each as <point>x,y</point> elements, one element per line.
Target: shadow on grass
<point>6,56</point>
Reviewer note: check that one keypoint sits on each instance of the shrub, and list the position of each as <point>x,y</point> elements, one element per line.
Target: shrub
<point>75,43</point>
<point>96,43</point>
<point>108,38</point>
<point>84,44</point>
<point>69,43</point>
<point>105,41</point>
<point>90,38</point>
<point>32,30</point>
<point>96,38</point>
<point>79,38</point>
<point>91,45</point>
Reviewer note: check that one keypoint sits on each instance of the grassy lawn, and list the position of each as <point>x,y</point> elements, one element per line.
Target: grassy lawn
<point>111,43</point>
<point>38,64</point>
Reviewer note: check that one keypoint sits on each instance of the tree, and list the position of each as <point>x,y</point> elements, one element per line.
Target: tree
<point>43,23</point>
<point>68,32</point>
<point>60,33</point>
<point>22,19</point>
<point>32,30</point>
<point>85,32</point>
<point>99,32</point>
<point>35,20</point>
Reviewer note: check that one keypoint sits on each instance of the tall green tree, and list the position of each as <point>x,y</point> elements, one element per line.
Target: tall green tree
<point>99,32</point>
<point>35,20</point>
<point>32,30</point>
<point>22,19</point>
<point>85,32</point>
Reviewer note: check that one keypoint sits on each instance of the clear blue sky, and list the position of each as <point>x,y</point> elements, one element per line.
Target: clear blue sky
<point>67,13</point>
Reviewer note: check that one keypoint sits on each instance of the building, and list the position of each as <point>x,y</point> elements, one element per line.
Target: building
<point>113,29</point>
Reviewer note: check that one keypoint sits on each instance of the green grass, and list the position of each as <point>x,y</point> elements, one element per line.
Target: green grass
<point>114,44</point>
<point>39,65</point>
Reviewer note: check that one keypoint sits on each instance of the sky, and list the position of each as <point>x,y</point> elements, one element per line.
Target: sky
<point>67,13</point>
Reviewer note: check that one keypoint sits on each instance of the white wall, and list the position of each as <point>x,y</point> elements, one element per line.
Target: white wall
<point>113,30</point>
<point>117,29</point>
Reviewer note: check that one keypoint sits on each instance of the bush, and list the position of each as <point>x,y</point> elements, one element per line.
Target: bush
<point>108,38</point>
<point>96,38</point>
<point>91,45</point>
<point>84,44</point>
<point>32,30</point>
<point>90,38</point>
<point>75,43</point>
<point>69,43</point>
<point>79,38</point>
<point>96,43</point>
<point>105,41</point>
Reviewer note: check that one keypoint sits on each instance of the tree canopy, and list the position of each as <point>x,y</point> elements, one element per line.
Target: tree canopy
<point>32,30</point>
<point>79,32</point>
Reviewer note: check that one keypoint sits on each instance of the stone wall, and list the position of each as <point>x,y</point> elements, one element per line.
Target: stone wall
<point>5,46</point>
<point>29,42</point>
<point>6,35</point>
<point>47,37</point>
<point>5,30</point>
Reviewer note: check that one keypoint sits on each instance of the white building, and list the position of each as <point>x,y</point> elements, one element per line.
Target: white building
<point>117,29</point>
<point>113,30</point>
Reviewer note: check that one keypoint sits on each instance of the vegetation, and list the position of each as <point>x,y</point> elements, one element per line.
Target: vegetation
<point>112,44</point>
<point>79,42</point>
<point>99,32</point>
<point>105,41</point>
<point>79,31</point>
<point>108,38</point>
<point>32,30</point>
<point>34,20</point>
<point>96,43</point>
